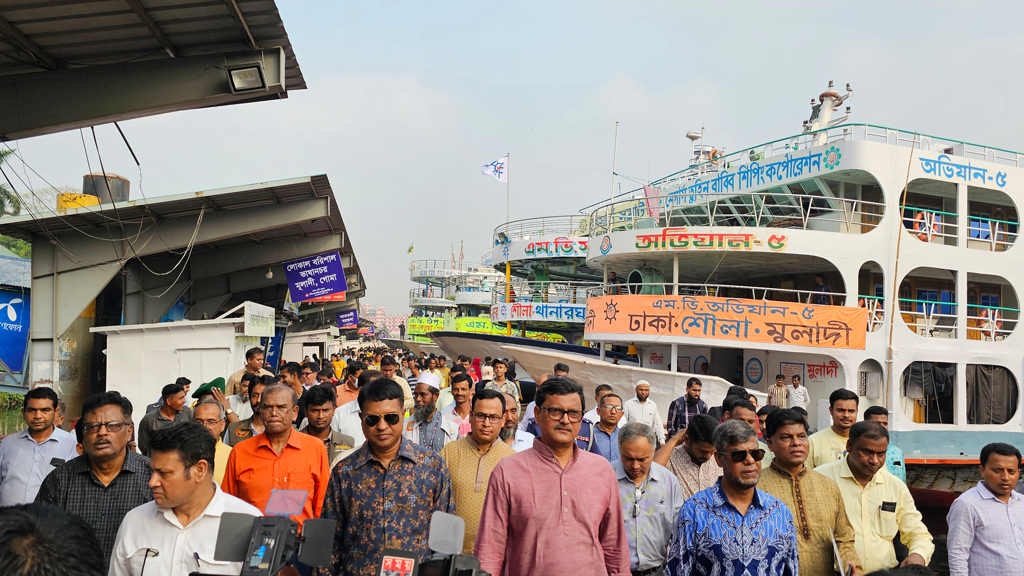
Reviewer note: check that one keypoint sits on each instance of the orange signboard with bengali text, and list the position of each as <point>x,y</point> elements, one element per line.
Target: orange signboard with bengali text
<point>733,319</point>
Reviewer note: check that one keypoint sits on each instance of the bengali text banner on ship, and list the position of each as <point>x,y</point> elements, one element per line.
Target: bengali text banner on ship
<point>728,319</point>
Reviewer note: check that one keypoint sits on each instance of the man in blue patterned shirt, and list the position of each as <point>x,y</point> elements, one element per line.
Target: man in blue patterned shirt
<point>732,528</point>
<point>383,494</point>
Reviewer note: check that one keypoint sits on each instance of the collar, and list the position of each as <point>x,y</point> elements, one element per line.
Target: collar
<point>720,493</point>
<point>293,440</point>
<point>547,454</point>
<point>778,470</point>
<point>845,472</point>
<point>620,474</point>
<point>476,445</point>
<point>363,455</point>
<point>133,463</point>
<point>987,494</point>
<point>53,436</point>
<point>215,507</point>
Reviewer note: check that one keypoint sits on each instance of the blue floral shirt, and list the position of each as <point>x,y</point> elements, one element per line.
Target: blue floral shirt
<point>376,508</point>
<point>711,537</point>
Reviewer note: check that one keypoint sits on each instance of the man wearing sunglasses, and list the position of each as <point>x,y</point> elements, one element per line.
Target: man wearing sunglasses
<point>383,494</point>
<point>733,528</point>
<point>651,498</point>
<point>554,503</point>
<point>814,500</point>
<point>108,480</point>
<point>472,458</point>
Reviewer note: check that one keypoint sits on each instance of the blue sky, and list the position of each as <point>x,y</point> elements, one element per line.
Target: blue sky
<point>407,100</point>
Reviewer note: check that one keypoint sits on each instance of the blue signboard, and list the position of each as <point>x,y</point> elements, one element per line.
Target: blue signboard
<point>348,319</point>
<point>273,354</point>
<point>315,276</point>
<point>14,323</point>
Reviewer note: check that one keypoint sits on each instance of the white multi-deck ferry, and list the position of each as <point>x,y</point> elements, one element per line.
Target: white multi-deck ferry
<point>856,256</point>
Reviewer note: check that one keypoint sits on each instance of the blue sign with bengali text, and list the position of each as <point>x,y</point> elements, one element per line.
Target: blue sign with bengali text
<point>14,323</point>
<point>348,319</point>
<point>315,276</point>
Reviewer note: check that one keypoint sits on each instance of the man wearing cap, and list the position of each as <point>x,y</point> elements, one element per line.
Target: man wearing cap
<point>642,409</point>
<point>214,389</point>
<point>427,426</point>
<point>171,411</point>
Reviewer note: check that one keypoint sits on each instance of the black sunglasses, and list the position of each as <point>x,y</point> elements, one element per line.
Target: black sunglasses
<point>741,455</point>
<point>391,419</point>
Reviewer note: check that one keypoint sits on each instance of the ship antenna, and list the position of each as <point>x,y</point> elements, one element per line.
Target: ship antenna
<point>895,274</point>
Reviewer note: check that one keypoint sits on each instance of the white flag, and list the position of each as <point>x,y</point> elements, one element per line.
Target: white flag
<point>498,169</point>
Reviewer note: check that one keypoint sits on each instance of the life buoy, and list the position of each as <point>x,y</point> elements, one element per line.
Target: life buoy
<point>715,155</point>
<point>921,221</point>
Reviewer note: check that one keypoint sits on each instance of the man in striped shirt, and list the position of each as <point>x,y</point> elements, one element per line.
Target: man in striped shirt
<point>682,409</point>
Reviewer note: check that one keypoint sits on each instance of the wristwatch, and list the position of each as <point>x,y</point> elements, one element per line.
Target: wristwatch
<point>230,411</point>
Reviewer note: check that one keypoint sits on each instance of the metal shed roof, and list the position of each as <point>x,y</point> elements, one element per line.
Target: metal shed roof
<point>46,35</point>
<point>15,273</point>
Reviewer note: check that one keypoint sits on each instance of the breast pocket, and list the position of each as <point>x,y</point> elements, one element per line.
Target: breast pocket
<point>207,565</point>
<point>886,524</point>
<point>145,558</point>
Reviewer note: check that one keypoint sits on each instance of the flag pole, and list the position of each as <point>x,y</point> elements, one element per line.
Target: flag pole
<point>508,188</point>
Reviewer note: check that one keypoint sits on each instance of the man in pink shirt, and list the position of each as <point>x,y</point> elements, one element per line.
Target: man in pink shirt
<point>554,508</point>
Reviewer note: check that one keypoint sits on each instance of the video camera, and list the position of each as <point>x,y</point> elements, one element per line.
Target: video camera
<point>445,539</point>
<point>265,544</point>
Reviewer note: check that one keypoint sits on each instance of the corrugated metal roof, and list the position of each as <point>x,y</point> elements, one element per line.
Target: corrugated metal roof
<point>15,273</point>
<point>189,205</point>
<point>73,33</point>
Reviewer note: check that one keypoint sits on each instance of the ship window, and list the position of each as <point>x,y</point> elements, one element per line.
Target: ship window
<point>928,392</point>
<point>992,394</point>
<point>979,228</point>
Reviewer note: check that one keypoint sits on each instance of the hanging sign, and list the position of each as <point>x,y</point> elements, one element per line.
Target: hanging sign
<point>315,276</point>
<point>348,319</point>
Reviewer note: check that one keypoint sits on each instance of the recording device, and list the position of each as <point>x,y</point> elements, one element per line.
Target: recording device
<point>265,544</point>
<point>445,539</point>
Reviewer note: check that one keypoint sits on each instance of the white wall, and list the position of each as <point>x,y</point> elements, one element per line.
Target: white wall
<point>141,362</point>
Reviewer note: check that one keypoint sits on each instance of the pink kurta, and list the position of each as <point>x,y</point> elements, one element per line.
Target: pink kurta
<point>541,520</point>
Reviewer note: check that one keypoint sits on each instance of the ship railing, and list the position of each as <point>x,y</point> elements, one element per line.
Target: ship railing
<point>548,292</point>
<point>720,291</point>
<point>430,292</point>
<point>876,311</point>
<point>764,209</point>
<point>448,265</point>
<point>929,318</point>
<point>931,225</point>
<point>990,323</point>
<point>991,234</point>
<point>545,227</point>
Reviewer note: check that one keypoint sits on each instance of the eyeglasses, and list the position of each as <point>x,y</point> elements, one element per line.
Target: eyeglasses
<point>612,407</point>
<point>392,418</point>
<point>741,455</point>
<point>637,495</point>
<point>492,418</point>
<point>208,423</point>
<point>558,413</point>
<point>112,427</point>
<point>307,373</point>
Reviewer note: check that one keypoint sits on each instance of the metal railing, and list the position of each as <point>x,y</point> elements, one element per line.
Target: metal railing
<point>545,227</point>
<point>932,225</point>
<point>876,311</point>
<point>764,209</point>
<point>550,292</point>
<point>1001,234</point>
<point>927,319</point>
<point>431,292</point>
<point>990,323</point>
<point>721,291</point>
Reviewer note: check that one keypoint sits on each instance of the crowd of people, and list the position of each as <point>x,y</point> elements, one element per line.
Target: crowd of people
<point>377,443</point>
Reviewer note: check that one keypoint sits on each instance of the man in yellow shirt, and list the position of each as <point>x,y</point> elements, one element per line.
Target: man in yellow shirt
<point>877,503</point>
<point>338,363</point>
<point>472,458</point>
<point>830,444</point>
<point>211,415</point>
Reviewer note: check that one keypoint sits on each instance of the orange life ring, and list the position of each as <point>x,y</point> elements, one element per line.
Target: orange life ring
<point>715,155</point>
<point>921,226</point>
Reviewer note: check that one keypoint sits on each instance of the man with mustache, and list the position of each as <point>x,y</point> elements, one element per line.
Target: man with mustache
<point>877,503</point>
<point>554,501</point>
<point>26,456</point>
<point>814,500</point>
<point>108,480</point>
<point>733,528</point>
<point>682,409</point>
<point>510,434</point>
<point>427,426</point>
<point>177,531</point>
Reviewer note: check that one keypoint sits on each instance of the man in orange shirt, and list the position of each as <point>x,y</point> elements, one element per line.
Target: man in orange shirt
<point>281,458</point>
